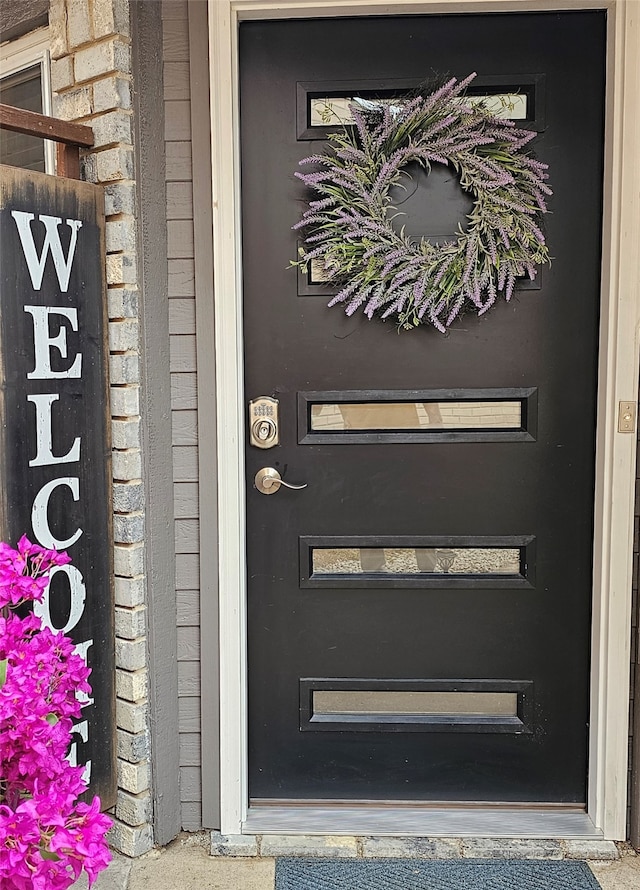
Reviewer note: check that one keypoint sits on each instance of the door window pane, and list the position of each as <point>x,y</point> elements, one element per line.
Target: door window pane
<point>327,111</point>
<point>416,705</point>
<point>390,704</point>
<point>411,561</point>
<point>23,90</point>
<point>391,416</point>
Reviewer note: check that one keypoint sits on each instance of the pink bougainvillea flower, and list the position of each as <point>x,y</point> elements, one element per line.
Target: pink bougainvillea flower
<point>41,559</point>
<point>47,838</point>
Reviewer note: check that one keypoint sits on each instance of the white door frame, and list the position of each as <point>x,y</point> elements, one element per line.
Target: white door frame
<point>618,380</point>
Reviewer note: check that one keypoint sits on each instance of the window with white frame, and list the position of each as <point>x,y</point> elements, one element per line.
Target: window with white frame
<point>25,83</point>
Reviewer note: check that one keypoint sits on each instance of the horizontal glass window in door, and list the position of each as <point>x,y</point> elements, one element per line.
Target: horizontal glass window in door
<point>392,704</point>
<point>428,560</point>
<point>325,106</point>
<point>416,705</point>
<point>469,415</point>
<point>326,111</point>
<point>417,561</point>
<point>314,280</point>
<point>417,415</point>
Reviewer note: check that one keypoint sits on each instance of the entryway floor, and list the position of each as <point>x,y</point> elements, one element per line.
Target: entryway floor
<point>186,864</point>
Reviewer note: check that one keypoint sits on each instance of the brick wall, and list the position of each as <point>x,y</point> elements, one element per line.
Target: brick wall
<point>91,79</point>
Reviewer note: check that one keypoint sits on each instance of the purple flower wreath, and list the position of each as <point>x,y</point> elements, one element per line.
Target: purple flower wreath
<point>348,230</point>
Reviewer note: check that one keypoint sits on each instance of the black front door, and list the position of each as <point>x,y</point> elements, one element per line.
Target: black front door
<point>419,614</point>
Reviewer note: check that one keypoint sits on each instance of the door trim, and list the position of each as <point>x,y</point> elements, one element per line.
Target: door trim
<point>618,379</point>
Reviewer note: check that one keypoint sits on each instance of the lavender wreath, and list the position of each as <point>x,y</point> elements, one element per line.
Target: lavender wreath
<point>348,230</point>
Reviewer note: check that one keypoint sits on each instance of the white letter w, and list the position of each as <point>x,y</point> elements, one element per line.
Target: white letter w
<point>51,243</point>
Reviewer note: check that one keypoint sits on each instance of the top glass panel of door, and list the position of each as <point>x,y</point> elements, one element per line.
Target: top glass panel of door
<point>327,111</point>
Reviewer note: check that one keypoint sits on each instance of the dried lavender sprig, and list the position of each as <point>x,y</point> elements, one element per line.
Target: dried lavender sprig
<point>472,147</point>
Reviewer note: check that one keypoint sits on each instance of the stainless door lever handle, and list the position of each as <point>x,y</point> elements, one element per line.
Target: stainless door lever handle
<point>268,480</point>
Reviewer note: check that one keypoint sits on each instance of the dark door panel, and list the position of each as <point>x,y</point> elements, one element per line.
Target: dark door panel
<point>398,666</point>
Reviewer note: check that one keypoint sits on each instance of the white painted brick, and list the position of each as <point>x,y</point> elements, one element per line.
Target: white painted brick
<point>510,848</point>
<point>115,163</point>
<point>128,497</point>
<point>127,465</point>
<point>125,433</point>
<point>114,126</point>
<point>58,45</point>
<point>133,809</point>
<point>121,268</point>
<point>129,591</point>
<point>57,9</point>
<point>110,17</point>
<point>121,234</point>
<point>233,844</point>
<point>79,23</point>
<point>125,400</point>
<point>132,841</point>
<point>132,747</point>
<point>122,302</point>
<point>411,848</point>
<point>119,197</point>
<point>73,104</point>
<point>128,529</point>
<point>124,368</point>
<point>61,73</point>
<point>128,560</point>
<point>590,849</point>
<point>123,335</point>
<point>131,655</point>
<point>111,92</point>
<point>102,58</point>
<point>132,685</point>
<point>307,845</point>
<point>134,777</point>
<point>132,717</point>
<point>131,624</point>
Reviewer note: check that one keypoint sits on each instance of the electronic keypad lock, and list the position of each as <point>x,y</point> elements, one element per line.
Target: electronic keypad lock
<point>264,431</point>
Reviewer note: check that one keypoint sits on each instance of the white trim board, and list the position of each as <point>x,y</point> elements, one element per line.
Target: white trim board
<point>618,380</point>
<point>24,51</point>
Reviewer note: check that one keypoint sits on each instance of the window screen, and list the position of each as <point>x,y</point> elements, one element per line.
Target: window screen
<point>24,90</point>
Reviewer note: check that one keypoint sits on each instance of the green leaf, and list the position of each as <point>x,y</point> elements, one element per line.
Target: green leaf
<point>47,854</point>
<point>3,672</point>
<point>52,719</point>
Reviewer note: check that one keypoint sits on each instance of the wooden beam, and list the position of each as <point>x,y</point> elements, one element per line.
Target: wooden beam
<point>67,161</point>
<point>32,124</point>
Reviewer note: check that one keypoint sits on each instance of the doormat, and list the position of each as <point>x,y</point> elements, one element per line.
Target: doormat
<point>412,874</point>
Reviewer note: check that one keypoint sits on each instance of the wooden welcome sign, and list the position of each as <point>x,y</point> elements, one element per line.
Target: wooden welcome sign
<point>55,456</point>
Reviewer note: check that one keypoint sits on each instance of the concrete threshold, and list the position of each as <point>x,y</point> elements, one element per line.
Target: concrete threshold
<point>367,847</point>
<point>418,821</point>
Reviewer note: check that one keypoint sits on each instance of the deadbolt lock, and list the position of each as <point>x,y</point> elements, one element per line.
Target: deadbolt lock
<point>263,422</point>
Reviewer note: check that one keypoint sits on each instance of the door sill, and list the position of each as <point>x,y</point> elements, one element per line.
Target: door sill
<point>420,821</point>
